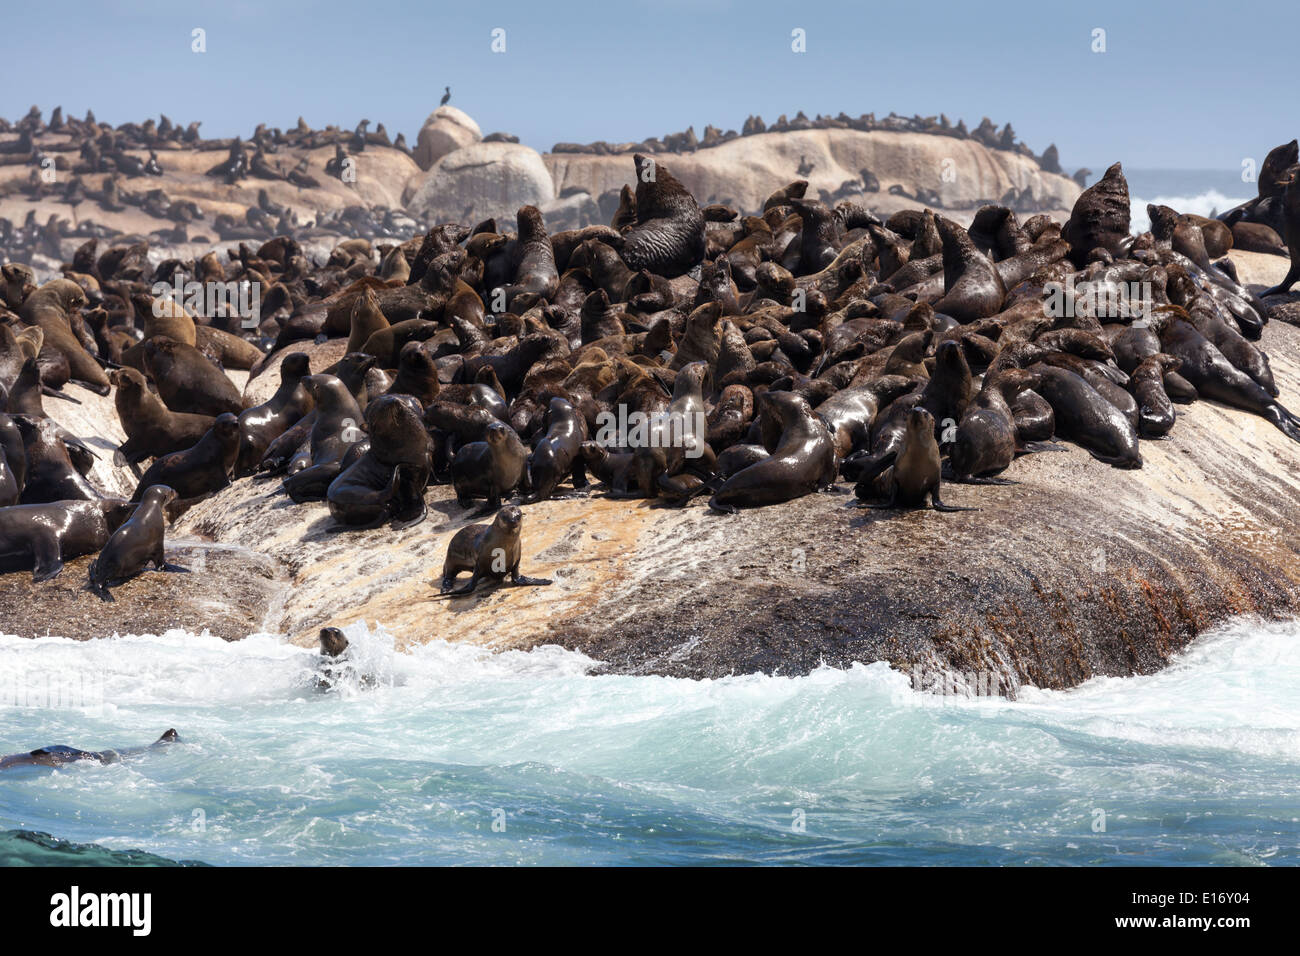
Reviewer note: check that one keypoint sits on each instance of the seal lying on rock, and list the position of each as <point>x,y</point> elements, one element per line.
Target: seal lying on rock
<point>41,537</point>
<point>487,551</point>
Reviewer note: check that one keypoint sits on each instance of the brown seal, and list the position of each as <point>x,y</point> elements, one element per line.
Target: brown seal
<point>489,551</point>
<point>152,429</point>
<point>198,471</point>
<point>137,543</point>
<point>915,470</point>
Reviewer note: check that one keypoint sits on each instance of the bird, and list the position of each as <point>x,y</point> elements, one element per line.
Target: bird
<point>445,96</point>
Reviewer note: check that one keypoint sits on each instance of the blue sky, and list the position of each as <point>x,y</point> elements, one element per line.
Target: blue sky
<point>1181,85</point>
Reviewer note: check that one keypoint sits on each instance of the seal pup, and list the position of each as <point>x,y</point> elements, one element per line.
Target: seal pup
<point>138,542</point>
<point>916,470</point>
<point>488,551</point>
<point>60,754</point>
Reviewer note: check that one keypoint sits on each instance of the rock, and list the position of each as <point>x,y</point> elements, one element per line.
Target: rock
<point>446,129</point>
<point>959,171</point>
<point>482,180</point>
<point>571,212</point>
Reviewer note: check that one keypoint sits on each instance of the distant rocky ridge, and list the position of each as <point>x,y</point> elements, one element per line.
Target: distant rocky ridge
<point>64,180</point>
<point>987,134</point>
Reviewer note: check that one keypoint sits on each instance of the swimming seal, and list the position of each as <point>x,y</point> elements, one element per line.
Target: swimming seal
<point>138,542</point>
<point>41,537</point>
<point>13,462</point>
<point>59,754</point>
<point>200,470</point>
<point>489,551</point>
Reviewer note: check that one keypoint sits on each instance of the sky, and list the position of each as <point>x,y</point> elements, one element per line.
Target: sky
<point>1184,85</point>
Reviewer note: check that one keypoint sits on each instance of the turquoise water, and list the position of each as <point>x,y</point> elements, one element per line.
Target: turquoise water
<point>1198,764</point>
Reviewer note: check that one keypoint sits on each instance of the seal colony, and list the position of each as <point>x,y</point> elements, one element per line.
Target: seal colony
<point>805,344</point>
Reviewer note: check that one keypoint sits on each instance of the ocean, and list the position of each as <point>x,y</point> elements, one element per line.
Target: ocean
<point>448,754</point>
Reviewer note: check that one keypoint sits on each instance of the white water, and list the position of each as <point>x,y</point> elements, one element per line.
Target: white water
<point>1196,764</point>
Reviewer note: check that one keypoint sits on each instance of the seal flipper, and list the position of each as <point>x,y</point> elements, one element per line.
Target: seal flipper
<point>940,506</point>
<point>47,562</point>
<point>518,580</point>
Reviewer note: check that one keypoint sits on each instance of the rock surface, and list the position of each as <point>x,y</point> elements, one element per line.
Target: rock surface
<point>446,129</point>
<point>482,180</point>
<point>744,171</point>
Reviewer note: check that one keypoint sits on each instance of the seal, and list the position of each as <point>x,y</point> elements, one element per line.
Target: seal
<point>1088,419</point>
<point>335,664</point>
<point>490,551</point>
<point>389,478</point>
<point>138,542</point>
<point>491,468</point>
<point>59,754</point>
<point>51,474</point>
<point>13,462</point>
<point>1155,409</point>
<point>972,287</point>
<point>337,427</point>
<point>915,469</point>
<point>41,537</point>
<point>198,471</point>
<point>558,454</point>
<point>986,441</point>
<point>188,382</point>
<point>1291,220</point>
<point>1100,218</point>
<point>802,461</point>
<point>668,238</point>
<point>533,258</point>
<point>152,429</point>
<point>51,307</point>
<point>260,426</point>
